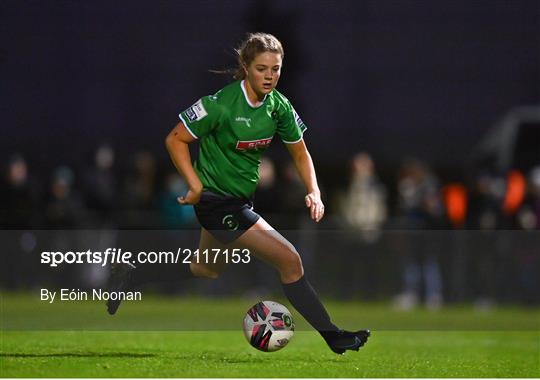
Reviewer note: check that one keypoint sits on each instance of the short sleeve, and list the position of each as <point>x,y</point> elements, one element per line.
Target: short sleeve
<point>202,117</point>
<point>290,126</point>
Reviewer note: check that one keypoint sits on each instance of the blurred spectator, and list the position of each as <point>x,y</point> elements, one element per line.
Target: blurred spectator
<point>174,215</point>
<point>455,200</point>
<point>65,208</point>
<point>141,181</point>
<point>455,204</point>
<point>101,195</point>
<point>485,212</point>
<point>364,206</point>
<point>526,247</point>
<point>419,208</point>
<point>19,196</point>
<point>139,192</point>
<point>19,209</point>
<point>100,186</point>
<point>516,188</point>
<point>529,214</point>
<point>535,193</point>
<point>364,211</point>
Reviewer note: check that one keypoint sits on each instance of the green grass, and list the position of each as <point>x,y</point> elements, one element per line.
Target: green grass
<point>27,312</point>
<point>226,354</point>
<point>503,348</point>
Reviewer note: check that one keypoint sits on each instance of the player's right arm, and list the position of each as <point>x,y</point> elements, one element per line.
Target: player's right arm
<point>177,145</point>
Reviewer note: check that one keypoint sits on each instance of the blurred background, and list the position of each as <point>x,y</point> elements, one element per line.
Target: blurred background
<point>423,121</point>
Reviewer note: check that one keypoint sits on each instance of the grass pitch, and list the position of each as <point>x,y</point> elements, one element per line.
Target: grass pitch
<point>390,352</point>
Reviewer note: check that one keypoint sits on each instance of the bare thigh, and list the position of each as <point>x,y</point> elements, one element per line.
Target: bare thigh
<point>263,241</point>
<point>271,247</point>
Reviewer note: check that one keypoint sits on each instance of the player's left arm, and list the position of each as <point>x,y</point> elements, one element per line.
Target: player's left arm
<point>304,165</point>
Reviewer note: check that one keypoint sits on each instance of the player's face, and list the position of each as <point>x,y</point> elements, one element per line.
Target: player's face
<point>263,73</point>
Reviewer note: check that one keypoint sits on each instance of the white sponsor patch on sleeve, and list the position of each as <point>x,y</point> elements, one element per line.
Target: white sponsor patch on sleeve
<point>196,112</point>
<point>298,121</point>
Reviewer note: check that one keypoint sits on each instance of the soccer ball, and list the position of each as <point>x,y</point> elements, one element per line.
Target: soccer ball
<point>268,326</point>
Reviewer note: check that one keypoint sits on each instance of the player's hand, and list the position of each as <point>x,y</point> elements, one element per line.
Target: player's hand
<point>315,205</point>
<point>192,197</point>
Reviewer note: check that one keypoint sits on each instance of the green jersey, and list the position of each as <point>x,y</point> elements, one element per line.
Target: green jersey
<point>234,133</point>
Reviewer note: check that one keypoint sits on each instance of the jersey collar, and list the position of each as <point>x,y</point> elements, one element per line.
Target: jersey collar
<point>243,87</point>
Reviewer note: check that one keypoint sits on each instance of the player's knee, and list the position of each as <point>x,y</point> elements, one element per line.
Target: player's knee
<point>201,270</point>
<point>297,268</point>
<point>292,269</point>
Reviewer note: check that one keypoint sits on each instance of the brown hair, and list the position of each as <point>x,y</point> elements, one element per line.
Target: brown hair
<point>253,45</point>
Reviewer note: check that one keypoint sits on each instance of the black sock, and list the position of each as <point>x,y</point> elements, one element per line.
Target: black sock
<point>304,299</point>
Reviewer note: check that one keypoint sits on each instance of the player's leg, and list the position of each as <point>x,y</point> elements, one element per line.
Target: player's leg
<point>120,280</point>
<point>270,246</point>
<point>206,264</point>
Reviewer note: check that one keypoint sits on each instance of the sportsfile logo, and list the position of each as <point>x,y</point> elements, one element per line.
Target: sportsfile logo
<point>254,144</point>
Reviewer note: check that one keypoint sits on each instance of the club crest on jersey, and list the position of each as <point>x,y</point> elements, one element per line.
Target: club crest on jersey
<point>253,144</point>
<point>271,112</point>
<point>196,112</point>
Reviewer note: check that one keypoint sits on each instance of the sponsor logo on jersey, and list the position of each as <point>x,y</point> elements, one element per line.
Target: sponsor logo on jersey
<point>254,144</point>
<point>246,120</point>
<point>196,112</point>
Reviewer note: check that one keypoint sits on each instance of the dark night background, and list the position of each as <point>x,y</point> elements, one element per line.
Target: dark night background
<point>396,78</point>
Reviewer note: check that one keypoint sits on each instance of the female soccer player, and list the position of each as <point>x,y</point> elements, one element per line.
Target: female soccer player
<point>234,127</point>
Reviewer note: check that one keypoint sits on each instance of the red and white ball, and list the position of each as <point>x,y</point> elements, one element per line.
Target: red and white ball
<point>268,326</point>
